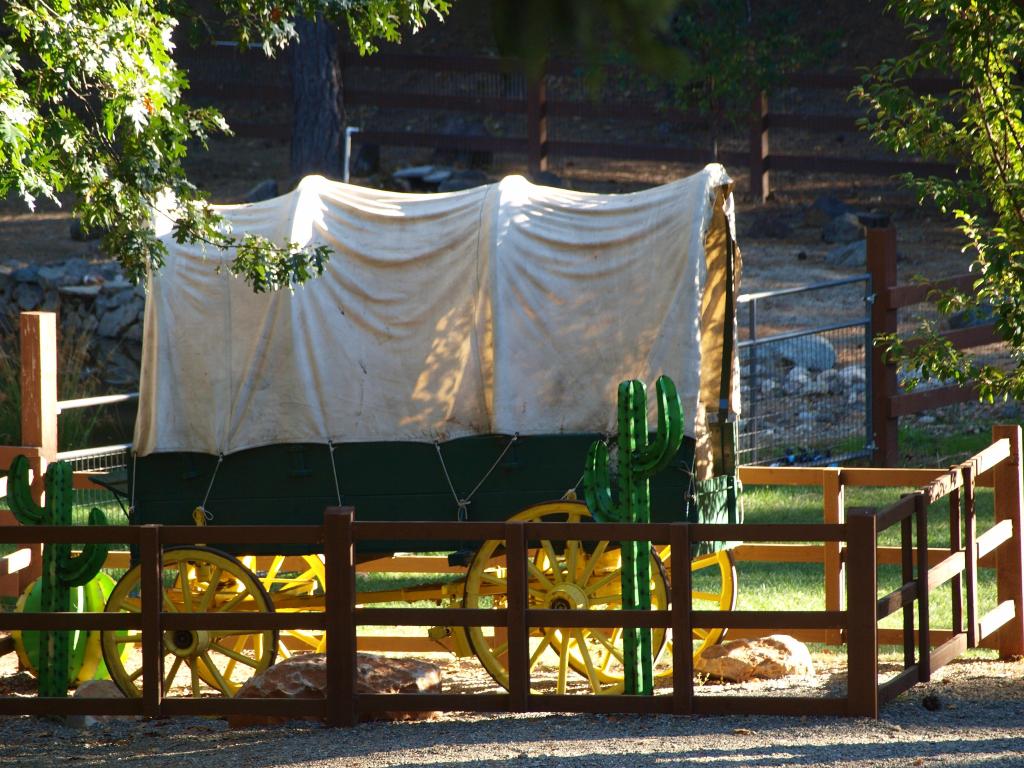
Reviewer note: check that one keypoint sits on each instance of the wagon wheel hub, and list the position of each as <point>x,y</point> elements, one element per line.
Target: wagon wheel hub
<point>186,643</point>
<point>567,597</point>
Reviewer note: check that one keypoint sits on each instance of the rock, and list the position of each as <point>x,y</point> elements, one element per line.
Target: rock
<point>96,689</point>
<point>852,374</point>
<point>27,296</point>
<point>811,352</point>
<point>437,176</point>
<point>817,386</point>
<point>463,126</point>
<point>25,274</point>
<point>366,160</point>
<point>265,190</point>
<point>824,209</point>
<point>413,173</point>
<point>114,322</point>
<point>89,291</point>
<point>547,179</point>
<point>843,229</point>
<point>769,658</point>
<point>463,180</point>
<point>797,379</point>
<point>769,226</point>
<point>853,254</point>
<point>305,676</point>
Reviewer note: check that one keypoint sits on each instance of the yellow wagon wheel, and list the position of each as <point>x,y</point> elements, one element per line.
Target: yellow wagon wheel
<point>713,588</point>
<point>294,587</point>
<point>560,575</point>
<point>217,662</point>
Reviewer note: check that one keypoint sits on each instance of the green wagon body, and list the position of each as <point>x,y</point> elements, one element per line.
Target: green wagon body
<point>384,481</point>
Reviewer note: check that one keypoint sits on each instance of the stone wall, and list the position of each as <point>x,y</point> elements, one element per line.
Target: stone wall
<point>91,299</point>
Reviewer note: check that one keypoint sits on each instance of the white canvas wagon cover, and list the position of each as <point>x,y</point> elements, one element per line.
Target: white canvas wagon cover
<point>505,308</point>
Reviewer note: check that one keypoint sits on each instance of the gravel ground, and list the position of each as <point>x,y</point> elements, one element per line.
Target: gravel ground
<point>977,719</point>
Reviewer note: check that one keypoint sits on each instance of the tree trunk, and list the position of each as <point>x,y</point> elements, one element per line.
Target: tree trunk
<point>317,113</point>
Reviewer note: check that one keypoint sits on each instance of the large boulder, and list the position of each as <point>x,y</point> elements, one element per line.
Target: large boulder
<point>305,676</point>
<point>824,209</point>
<point>853,254</point>
<point>815,353</point>
<point>845,228</point>
<point>768,658</point>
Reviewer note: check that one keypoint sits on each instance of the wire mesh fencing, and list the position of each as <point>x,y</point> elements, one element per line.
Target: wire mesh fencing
<point>99,460</point>
<point>805,391</point>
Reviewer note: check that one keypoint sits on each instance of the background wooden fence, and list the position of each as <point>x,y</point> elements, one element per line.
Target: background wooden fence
<point>429,85</point>
<point>888,402</point>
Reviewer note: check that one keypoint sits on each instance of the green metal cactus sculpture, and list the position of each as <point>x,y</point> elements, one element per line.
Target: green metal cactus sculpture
<point>638,460</point>
<point>61,571</point>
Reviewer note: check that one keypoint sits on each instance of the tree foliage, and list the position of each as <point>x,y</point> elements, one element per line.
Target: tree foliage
<point>977,125</point>
<point>91,104</point>
<point>735,47</point>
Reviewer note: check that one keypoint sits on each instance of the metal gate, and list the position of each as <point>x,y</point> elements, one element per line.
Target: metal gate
<point>806,391</point>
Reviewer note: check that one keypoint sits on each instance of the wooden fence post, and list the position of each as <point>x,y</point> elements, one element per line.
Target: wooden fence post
<point>760,180</point>
<point>537,124</point>
<point>151,583</point>
<point>340,603</point>
<point>682,648</point>
<point>38,331</point>
<point>833,504</point>
<point>924,621</point>
<point>516,604</point>
<point>881,257</point>
<point>1008,501</point>
<point>862,616</point>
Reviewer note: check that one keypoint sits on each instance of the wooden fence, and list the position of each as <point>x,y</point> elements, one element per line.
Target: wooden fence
<point>541,111</point>
<point>888,403</point>
<point>855,539</point>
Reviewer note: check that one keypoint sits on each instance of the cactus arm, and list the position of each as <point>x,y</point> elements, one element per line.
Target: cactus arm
<point>80,570</point>
<point>597,490</point>
<point>669,436</point>
<point>19,494</point>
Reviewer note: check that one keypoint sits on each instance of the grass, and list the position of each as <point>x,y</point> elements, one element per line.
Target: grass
<point>800,586</point>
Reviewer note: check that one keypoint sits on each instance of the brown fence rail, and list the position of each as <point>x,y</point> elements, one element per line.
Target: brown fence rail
<point>541,106</point>
<point>888,403</point>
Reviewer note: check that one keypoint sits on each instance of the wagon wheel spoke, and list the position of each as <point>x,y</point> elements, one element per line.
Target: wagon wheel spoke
<point>169,677</point>
<point>602,582</point>
<point>234,601</point>
<point>224,686</point>
<point>541,647</point>
<point>595,683</point>
<point>539,575</point>
<point>592,561</point>
<point>563,665</point>
<point>186,586</point>
<point>610,644</point>
<point>235,655</point>
<point>553,560</point>
<point>211,591</point>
